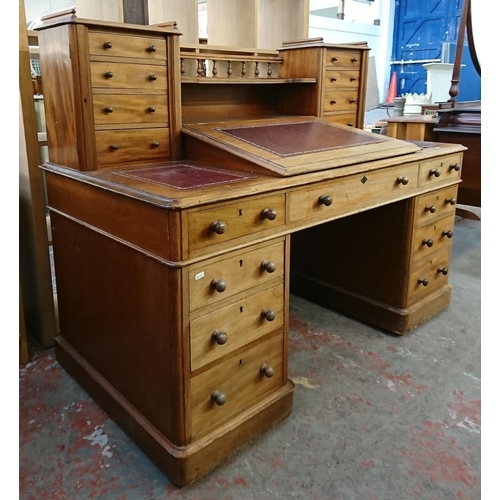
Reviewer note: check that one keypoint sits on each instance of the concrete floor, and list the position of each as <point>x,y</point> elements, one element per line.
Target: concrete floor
<point>376,416</point>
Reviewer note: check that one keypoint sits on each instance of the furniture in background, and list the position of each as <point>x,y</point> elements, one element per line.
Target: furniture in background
<point>460,122</point>
<point>412,128</point>
<point>184,208</point>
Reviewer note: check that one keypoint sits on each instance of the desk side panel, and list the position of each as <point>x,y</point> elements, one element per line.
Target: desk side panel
<point>119,310</point>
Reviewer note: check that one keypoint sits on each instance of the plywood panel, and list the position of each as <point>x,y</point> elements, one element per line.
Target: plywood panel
<point>232,23</point>
<point>281,20</point>
<point>184,13</point>
<point>34,263</point>
<point>110,10</point>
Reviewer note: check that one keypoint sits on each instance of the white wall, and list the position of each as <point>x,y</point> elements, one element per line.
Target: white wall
<point>379,38</point>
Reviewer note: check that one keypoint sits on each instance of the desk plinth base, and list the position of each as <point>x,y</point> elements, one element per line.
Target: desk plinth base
<point>181,465</point>
<point>392,319</point>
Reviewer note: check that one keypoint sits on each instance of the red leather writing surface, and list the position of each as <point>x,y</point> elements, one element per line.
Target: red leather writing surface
<point>298,138</point>
<point>185,175</point>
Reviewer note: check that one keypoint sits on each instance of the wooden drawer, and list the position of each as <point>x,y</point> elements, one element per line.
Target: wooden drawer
<point>240,271</point>
<point>436,205</point>
<point>444,169</point>
<point>107,75</point>
<point>239,379</point>
<point>118,146</point>
<point>335,79</point>
<point>106,44</point>
<point>237,219</point>
<point>353,192</point>
<point>348,119</point>
<point>237,324</point>
<point>114,109</point>
<point>432,237</point>
<point>343,58</point>
<point>341,101</point>
<point>428,274</point>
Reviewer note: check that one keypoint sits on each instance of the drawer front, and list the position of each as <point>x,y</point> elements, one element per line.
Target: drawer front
<point>239,379</point>
<point>106,44</point>
<point>343,58</point>
<point>428,275</point>
<point>114,109</point>
<point>348,119</point>
<point>232,327</point>
<point>444,169</point>
<point>436,205</point>
<point>341,101</point>
<point>353,192</point>
<point>107,75</point>
<point>118,146</point>
<point>221,278</point>
<point>223,223</point>
<point>335,79</point>
<point>432,237</point>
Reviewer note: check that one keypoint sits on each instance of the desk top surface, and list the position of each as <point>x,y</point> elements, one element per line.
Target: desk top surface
<point>186,184</point>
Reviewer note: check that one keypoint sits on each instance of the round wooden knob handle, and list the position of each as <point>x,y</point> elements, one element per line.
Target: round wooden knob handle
<point>428,243</point>
<point>219,285</point>
<point>151,48</point>
<point>430,208</point>
<point>450,201</point>
<point>107,45</point>
<point>448,234</point>
<point>325,199</point>
<point>268,314</point>
<point>455,166</point>
<point>108,109</point>
<point>335,59</point>
<point>423,281</point>
<point>151,109</point>
<point>443,270</point>
<point>219,398</point>
<point>353,79</point>
<point>155,144</point>
<point>153,77</point>
<point>268,265</point>
<point>219,336</point>
<point>267,370</point>
<point>218,227</point>
<point>403,180</point>
<point>354,60</point>
<point>352,101</point>
<point>269,213</point>
<point>350,124</point>
<point>434,172</point>
<point>333,101</point>
<point>113,147</point>
<point>333,79</point>
<point>108,74</point>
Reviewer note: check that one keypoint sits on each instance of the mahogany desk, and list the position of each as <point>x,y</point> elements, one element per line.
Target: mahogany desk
<point>176,241</point>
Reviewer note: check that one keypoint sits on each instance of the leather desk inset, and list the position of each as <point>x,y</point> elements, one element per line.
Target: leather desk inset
<point>293,139</point>
<point>185,175</point>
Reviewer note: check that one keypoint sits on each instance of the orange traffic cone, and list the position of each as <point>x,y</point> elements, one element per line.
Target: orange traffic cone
<point>392,90</point>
